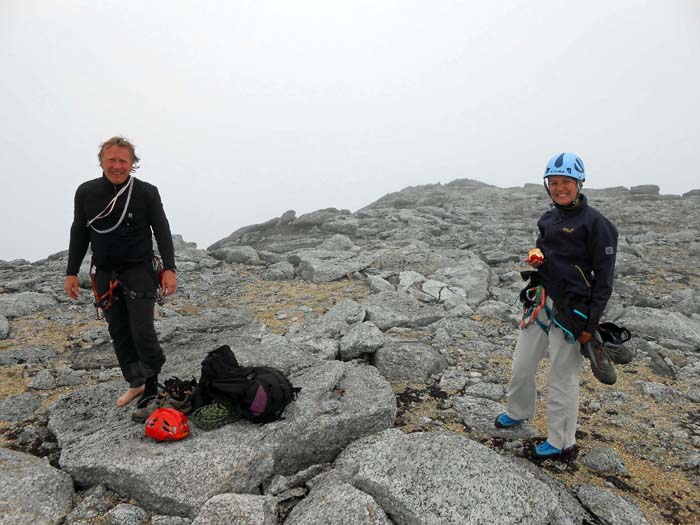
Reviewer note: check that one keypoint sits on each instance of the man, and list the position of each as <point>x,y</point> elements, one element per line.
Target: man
<point>116,215</point>
<point>565,299</point>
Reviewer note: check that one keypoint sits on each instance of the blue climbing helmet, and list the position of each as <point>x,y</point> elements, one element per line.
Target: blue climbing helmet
<point>566,164</point>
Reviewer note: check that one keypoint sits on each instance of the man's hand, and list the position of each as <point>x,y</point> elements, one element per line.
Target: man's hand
<point>169,284</point>
<point>584,337</point>
<point>71,286</point>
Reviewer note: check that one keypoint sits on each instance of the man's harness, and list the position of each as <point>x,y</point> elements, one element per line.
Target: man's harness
<point>104,301</point>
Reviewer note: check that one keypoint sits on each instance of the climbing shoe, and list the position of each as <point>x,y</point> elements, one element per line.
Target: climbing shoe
<point>614,337</point>
<point>144,409</point>
<point>601,363</point>
<point>178,394</point>
<point>505,421</point>
<point>546,450</point>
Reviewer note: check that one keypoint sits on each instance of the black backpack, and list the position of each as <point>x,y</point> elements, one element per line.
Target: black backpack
<point>258,393</point>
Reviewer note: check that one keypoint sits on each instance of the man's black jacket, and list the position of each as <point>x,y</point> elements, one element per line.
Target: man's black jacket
<point>579,246</point>
<point>131,242</point>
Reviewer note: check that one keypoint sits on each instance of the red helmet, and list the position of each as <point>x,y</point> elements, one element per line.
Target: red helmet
<point>167,424</point>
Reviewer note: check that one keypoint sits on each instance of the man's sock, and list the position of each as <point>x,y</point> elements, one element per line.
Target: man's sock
<point>149,392</point>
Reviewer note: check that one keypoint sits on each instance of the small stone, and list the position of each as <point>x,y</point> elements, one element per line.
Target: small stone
<point>125,514</point>
<point>604,460</point>
<point>4,327</point>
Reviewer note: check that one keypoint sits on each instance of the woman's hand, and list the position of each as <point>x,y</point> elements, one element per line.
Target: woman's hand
<point>585,337</point>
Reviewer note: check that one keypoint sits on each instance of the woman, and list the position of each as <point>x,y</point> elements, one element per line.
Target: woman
<point>564,302</point>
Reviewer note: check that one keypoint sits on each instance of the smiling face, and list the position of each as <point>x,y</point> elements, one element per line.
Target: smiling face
<point>563,190</point>
<point>116,163</point>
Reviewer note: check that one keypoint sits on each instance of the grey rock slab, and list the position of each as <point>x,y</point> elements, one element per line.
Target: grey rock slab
<point>363,338</point>
<point>316,218</point>
<point>409,278</point>
<point>291,245</point>
<point>444,478</point>
<point>91,504</point>
<point>262,349</point>
<point>338,403</point>
<point>420,259</point>
<point>20,407</point>
<point>287,217</point>
<point>497,256</point>
<point>30,355</point>
<point>50,378</point>
<point>32,491</point>
<point>433,288</point>
<point>422,296</point>
<point>441,338</point>
<point>661,324</point>
<point>237,254</point>
<point>214,320</point>
<point>479,415</point>
<point>604,460</point>
<point>660,392</point>
<point>453,380</point>
<point>24,303</point>
<point>94,358</point>
<point>492,391</point>
<point>471,274</point>
<point>163,519</point>
<point>279,483</point>
<point>5,327</point>
<point>379,284</point>
<point>498,310</point>
<point>410,361</point>
<point>241,509</point>
<point>43,380</point>
<point>568,510</point>
<point>321,266</point>
<point>326,349</point>
<point>127,514</point>
<point>343,224</point>
<point>390,309</point>
<point>338,503</point>
<point>280,271</point>
<point>347,310</point>
<point>645,189</point>
<point>608,507</point>
<point>337,242</point>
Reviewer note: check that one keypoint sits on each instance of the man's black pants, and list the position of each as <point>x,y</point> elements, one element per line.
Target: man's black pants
<point>130,319</point>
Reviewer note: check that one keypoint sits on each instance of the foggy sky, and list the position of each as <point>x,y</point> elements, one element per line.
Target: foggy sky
<point>243,110</point>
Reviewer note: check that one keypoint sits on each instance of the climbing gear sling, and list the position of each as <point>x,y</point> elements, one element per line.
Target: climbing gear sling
<point>104,301</point>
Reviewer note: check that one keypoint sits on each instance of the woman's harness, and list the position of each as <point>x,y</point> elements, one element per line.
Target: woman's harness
<point>534,301</point>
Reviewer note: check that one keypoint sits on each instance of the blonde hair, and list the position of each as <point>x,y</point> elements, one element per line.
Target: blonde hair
<point>120,142</point>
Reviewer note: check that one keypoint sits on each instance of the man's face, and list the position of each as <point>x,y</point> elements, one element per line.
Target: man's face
<point>116,163</point>
<point>563,190</point>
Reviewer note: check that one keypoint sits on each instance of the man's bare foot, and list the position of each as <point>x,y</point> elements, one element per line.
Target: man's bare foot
<point>128,396</point>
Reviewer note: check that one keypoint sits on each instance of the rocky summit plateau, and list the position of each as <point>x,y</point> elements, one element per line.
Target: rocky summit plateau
<point>398,322</point>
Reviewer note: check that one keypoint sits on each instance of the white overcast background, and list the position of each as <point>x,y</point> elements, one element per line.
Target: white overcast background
<point>243,110</point>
